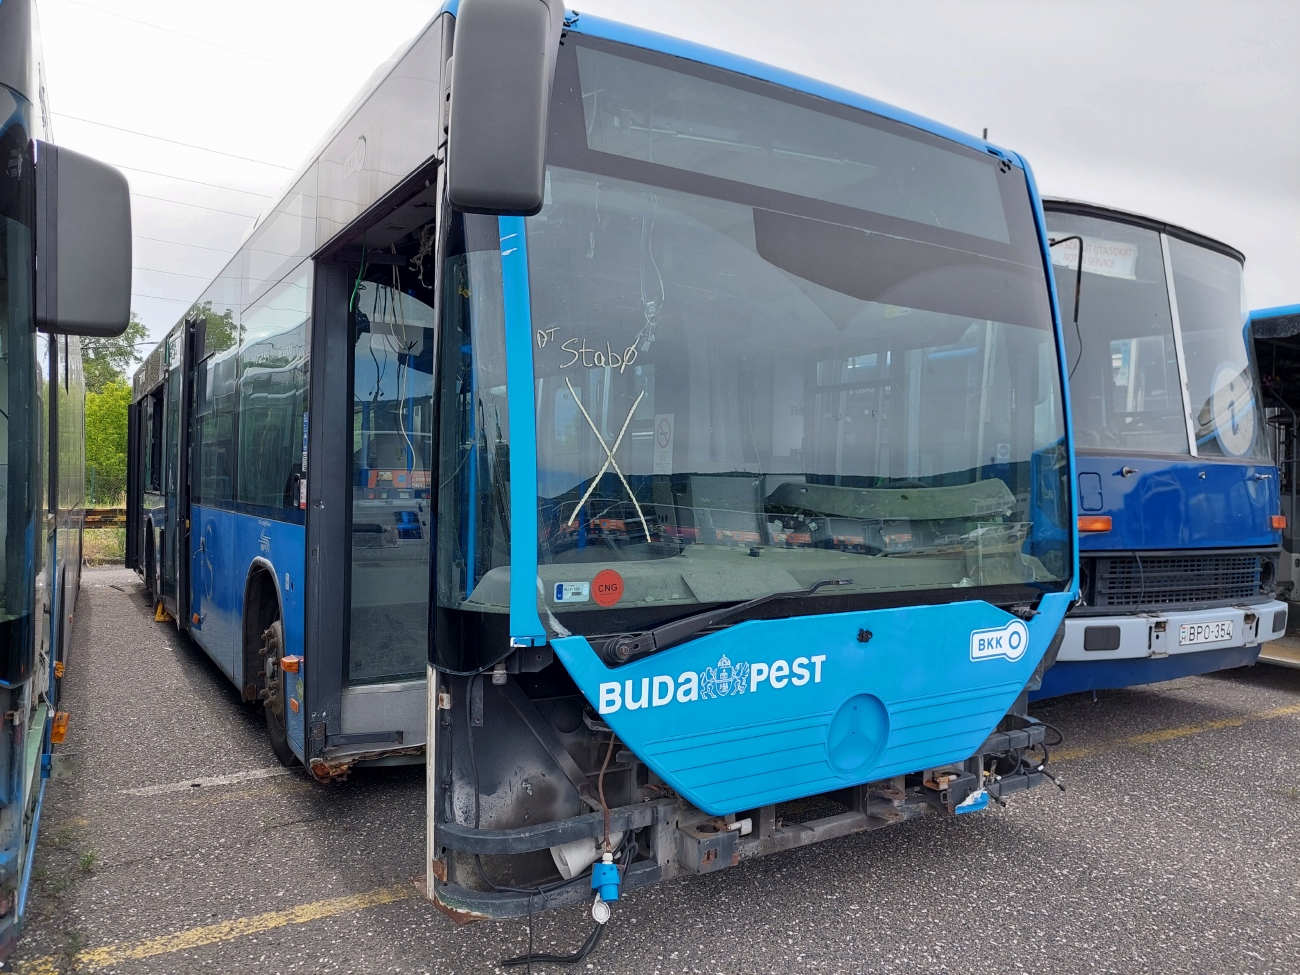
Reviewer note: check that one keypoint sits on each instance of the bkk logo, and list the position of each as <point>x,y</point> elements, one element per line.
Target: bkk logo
<point>1010,641</point>
<point>723,680</point>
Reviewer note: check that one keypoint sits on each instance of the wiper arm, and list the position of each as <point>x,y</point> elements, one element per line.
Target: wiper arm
<point>1078,290</point>
<point>626,647</point>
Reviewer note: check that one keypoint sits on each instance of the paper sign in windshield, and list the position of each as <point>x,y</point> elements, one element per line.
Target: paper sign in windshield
<point>1112,258</point>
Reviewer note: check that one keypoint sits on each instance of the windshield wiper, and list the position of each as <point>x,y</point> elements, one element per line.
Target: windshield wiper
<point>626,647</point>
<point>1078,289</point>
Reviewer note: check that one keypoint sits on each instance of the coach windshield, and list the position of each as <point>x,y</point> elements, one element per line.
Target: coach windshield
<point>776,340</point>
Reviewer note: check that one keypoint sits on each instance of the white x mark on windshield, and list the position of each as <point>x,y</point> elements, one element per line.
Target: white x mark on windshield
<point>609,458</point>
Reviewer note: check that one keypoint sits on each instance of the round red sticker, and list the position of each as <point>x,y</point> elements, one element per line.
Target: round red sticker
<point>607,587</point>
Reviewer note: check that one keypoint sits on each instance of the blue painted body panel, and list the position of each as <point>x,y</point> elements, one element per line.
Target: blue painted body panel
<point>1280,311</point>
<point>1039,497</point>
<point>1175,504</point>
<point>223,546</point>
<point>1073,677</point>
<point>525,625</point>
<point>909,698</point>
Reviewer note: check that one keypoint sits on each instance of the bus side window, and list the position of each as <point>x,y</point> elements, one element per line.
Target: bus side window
<point>155,440</point>
<point>272,393</point>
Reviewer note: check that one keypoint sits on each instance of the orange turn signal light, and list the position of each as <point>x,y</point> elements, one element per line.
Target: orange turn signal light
<point>1094,523</point>
<point>1277,522</point>
<point>290,665</point>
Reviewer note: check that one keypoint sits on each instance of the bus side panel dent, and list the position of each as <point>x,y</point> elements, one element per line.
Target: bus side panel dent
<point>772,710</point>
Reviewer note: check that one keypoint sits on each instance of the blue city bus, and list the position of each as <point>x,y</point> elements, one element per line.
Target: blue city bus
<point>698,430</point>
<point>1179,511</point>
<point>1276,334</point>
<point>46,198</point>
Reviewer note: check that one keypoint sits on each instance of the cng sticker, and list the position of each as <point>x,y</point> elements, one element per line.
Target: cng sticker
<point>607,587</point>
<point>1010,641</point>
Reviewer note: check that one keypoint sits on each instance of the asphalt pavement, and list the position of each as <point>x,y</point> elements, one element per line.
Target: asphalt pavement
<point>1175,849</point>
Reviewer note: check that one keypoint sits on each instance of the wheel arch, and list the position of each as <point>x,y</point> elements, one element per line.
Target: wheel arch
<point>259,611</point>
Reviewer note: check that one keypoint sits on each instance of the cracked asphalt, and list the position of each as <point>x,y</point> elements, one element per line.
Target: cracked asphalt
<point>1176,848</point>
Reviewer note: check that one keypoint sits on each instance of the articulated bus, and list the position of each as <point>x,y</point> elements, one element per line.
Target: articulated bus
<point>697,429</point>
<point>1276,333</point>
<point>1179,517</point>
<point>60,208</point>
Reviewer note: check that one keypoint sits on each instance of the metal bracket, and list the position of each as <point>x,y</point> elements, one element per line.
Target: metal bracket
<point>545,735</point>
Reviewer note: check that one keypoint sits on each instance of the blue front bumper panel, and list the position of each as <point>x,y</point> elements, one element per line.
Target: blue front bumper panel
<point>772,710</point>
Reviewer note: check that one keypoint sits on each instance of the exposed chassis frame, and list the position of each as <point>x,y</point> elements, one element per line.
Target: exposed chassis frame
<point>685,840</point>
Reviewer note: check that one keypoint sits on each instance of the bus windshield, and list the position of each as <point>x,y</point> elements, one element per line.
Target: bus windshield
<point>776,341</point>
<point>1135,349</point>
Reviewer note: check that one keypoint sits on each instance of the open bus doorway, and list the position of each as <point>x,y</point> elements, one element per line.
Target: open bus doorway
<point>1276,335</point>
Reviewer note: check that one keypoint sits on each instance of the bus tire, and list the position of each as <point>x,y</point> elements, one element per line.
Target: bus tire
<point>272,692</point>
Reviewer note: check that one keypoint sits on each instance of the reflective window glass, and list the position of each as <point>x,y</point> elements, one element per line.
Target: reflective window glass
<point>392,461</point>
<point>273,394</point>
<point>1221,377</point>
<point>1123,361</point>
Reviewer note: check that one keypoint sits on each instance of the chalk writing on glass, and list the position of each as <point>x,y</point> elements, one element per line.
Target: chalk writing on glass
<point>588,356</point>
<point>609,458</point>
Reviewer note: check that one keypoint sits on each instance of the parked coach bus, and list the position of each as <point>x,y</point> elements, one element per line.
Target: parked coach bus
<point>700,426</point>
<point>1276,332</point>
<point>1179,518</point>
<point>73,215</point>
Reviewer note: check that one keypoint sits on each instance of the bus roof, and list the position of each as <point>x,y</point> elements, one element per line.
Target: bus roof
<point>639,37</point>
<point>608,30</point>
<point>1083,209</point>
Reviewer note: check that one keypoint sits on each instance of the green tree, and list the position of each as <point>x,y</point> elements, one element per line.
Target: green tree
<point>106,360</point>
<point>106,442</point>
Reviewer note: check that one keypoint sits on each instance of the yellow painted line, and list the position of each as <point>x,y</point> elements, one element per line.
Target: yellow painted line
<point>1172,734</point>
<point>40,966</point>
<point>95,959</point>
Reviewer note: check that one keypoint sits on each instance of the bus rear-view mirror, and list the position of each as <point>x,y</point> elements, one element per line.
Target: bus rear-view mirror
<point>83,245</point>
<point>502,69</point>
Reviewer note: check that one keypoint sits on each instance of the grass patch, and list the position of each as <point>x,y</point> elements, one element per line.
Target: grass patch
<point>88,861</point>
<point>61,840</point>
<point>76,941</point>
<point>103,546</point>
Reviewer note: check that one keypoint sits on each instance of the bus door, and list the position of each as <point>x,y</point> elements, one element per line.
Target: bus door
<point>392,455</point>
<point>132,486</point>
<point>371,450</point>
<point>171,481</point>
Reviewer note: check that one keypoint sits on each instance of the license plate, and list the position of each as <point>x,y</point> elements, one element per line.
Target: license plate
<point>1211,632</point>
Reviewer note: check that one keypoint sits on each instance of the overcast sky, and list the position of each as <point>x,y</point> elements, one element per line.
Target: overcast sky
<point>1186,110</point>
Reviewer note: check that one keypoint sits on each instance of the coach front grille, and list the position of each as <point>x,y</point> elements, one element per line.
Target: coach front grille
<point>1155,581</point>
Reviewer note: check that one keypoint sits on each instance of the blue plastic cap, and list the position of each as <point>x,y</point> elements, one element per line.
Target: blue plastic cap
<point>604,879</point>
<point>974,802</point>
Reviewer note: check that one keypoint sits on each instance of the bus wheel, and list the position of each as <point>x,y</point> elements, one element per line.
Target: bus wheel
<point>272,694</point>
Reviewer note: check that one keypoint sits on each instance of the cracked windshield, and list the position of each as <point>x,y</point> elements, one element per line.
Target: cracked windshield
<point>761,363</point>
